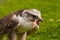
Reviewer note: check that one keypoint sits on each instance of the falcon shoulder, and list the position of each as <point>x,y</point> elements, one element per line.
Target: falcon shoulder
<point>7,24</point>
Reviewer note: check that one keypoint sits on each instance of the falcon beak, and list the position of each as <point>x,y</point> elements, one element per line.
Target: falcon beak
<point>40,19</point>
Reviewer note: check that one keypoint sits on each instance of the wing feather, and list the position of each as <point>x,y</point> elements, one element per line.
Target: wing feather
<point>7,24</point>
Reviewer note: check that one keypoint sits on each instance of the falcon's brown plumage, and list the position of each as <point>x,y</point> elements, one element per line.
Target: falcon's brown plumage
<point>7,24</point>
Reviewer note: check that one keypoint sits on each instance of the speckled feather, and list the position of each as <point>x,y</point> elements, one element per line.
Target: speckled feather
<point>7,24</point>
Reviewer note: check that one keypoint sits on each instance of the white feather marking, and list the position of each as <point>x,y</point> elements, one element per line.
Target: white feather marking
<point>15,17</point>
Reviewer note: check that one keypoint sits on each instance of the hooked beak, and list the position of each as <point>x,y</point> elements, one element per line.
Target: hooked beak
<point>40,19</point>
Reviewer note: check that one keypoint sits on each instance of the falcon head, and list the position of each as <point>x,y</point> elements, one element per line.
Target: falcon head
<point>32,15</point>
<point>29,19</point>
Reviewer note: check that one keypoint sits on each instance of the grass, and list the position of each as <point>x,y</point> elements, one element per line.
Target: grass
<point>49,28</point>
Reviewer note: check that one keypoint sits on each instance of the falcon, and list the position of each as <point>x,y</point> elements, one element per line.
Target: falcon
<point>21,21</point>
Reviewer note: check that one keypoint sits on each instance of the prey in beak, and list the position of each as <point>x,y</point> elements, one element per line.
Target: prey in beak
<point>38,21</point>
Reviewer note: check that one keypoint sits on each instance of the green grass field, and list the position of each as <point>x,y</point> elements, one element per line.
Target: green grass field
<point>50,9</point>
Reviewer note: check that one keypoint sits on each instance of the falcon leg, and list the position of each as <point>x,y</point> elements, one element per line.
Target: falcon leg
<point>12,36</point>
<point>22,36</point>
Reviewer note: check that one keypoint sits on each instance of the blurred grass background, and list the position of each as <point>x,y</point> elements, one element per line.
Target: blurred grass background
<point>49,28</point>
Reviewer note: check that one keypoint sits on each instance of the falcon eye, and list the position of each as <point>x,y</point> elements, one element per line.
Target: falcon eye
<point>35,17</point>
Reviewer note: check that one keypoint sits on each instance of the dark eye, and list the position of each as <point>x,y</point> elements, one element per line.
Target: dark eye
<point>35,17</point>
